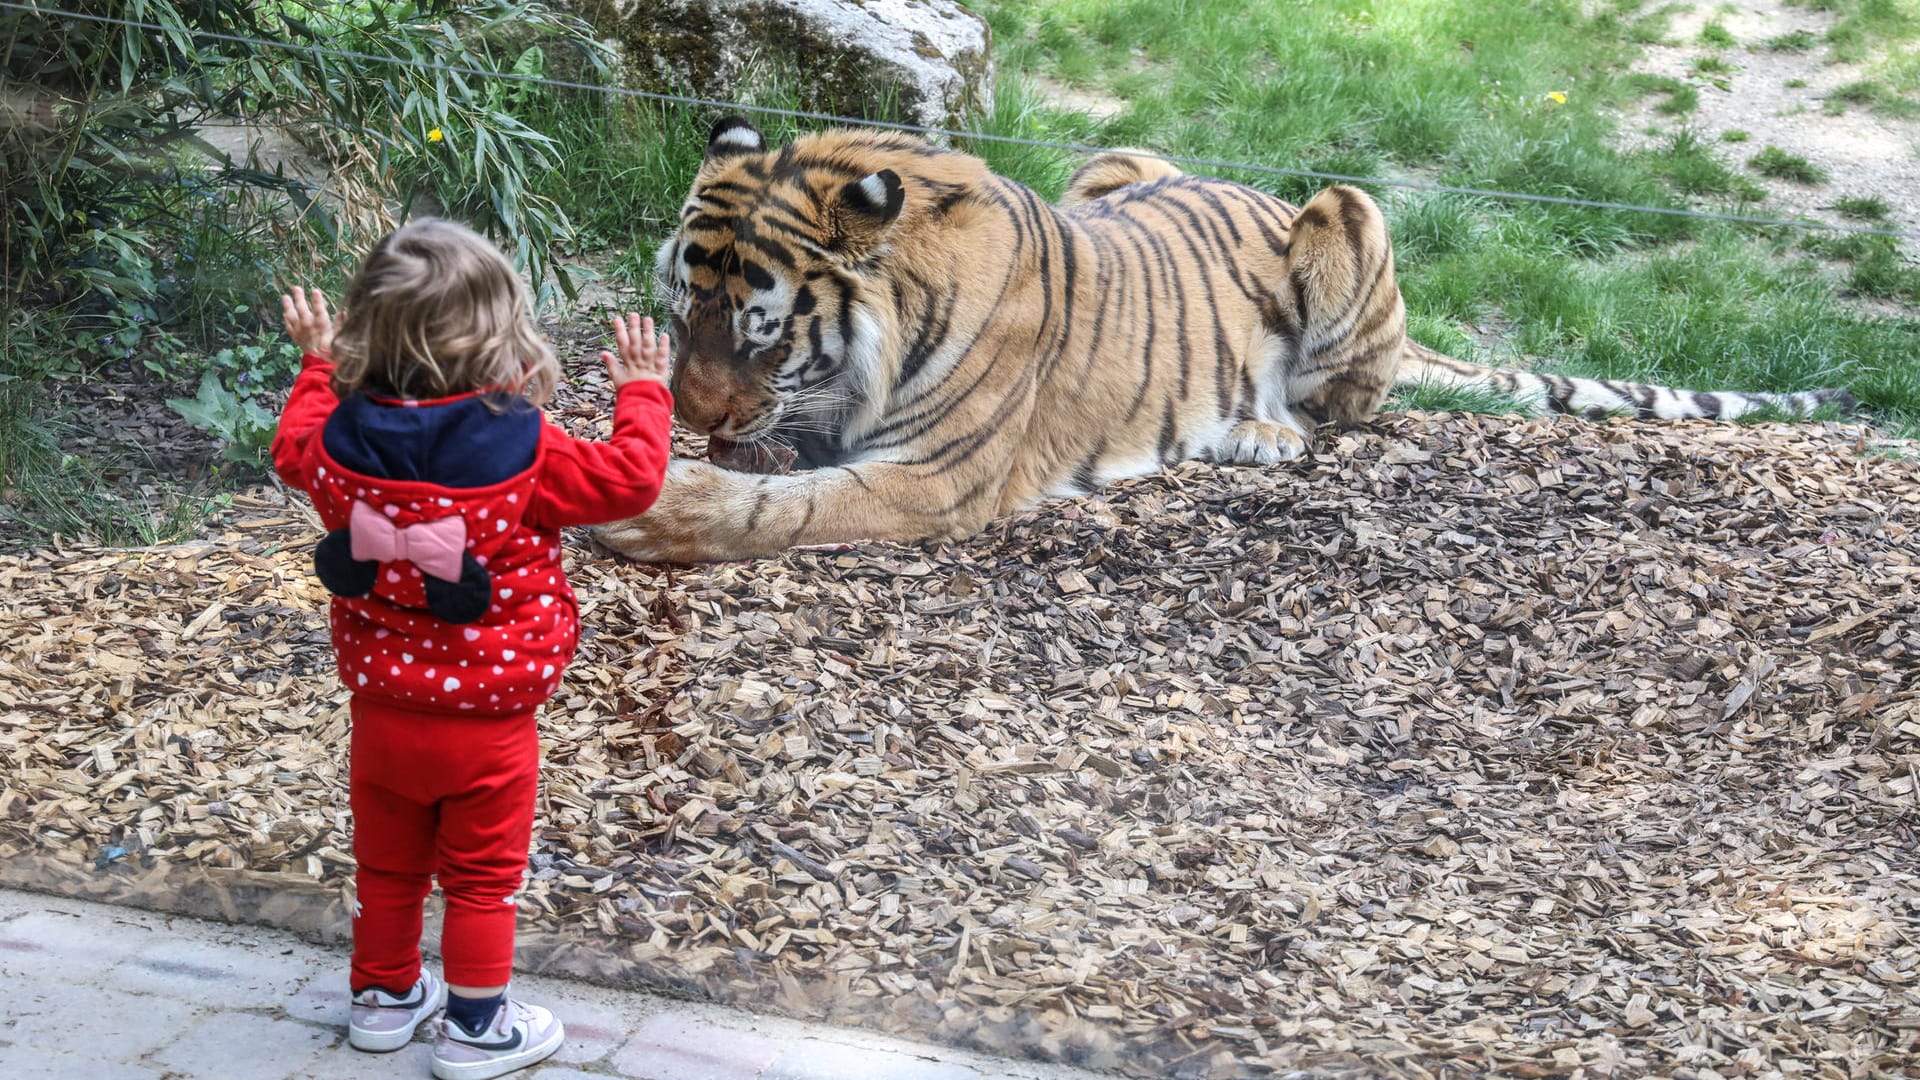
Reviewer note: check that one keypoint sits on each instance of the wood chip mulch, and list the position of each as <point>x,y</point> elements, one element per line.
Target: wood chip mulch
<point>1474,746</point>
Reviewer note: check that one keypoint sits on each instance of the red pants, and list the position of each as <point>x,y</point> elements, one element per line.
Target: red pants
<point>438,795</point>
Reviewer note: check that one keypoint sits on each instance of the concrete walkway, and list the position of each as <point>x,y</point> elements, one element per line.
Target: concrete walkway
<point>94,992</point>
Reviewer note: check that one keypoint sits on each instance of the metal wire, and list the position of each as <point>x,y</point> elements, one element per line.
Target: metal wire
<point>1015,140</point>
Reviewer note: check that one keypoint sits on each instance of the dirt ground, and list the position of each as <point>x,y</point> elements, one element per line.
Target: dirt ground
<point>1863,153</point>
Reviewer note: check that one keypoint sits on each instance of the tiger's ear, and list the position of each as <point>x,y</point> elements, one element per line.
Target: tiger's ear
<point>866,209</point>
<point>733,137</point>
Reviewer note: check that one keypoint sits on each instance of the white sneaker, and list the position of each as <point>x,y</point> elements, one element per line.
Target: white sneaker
<point>518,1036</point>
<point>382,1022</point>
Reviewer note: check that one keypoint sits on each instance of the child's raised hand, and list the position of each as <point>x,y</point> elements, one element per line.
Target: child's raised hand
<point>309,323</point>
<point>644,354</point>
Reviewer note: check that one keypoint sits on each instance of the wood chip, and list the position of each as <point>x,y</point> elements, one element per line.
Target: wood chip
<point>1470,746</point>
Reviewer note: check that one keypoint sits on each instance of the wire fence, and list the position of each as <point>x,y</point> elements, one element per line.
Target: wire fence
<point>980,136</point>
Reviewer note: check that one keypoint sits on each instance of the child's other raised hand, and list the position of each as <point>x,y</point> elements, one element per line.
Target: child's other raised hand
<point>309,323</point>
<point>644,354</point>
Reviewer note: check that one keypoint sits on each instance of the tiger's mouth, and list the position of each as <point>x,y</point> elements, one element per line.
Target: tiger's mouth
<point>764,456</point>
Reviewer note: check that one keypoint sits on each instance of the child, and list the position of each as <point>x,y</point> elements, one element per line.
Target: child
<point>416,430</point>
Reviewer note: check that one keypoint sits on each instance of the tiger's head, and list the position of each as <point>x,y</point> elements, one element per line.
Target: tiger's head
<point>769,278</point>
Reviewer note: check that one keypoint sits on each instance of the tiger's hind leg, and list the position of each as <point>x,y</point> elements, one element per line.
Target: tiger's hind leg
<point>1351,323</point>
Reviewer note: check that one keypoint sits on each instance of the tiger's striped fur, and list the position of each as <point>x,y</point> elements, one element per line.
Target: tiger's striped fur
<point>942,346</point>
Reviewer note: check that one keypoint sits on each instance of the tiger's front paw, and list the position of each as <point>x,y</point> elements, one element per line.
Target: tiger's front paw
<point>636,538</point>
<point>1262,442</point>
<point>692,521</point>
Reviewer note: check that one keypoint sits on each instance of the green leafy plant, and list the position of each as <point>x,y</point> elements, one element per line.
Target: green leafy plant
<point>263,364</point>
<point>243,425</point>
<point>445,133</point>
<point>108,116</point>
<point>474,144</point>
<point>131,239</point>
<point>233,381</point>
<point>105,167</point>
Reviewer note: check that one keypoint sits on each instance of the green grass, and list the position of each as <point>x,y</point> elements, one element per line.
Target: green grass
<point>1682,97</point>
<point>1640,27</point>
<point>1796,42</point>
<point>1734,135</point>
<point>624,164</point>
<point>1863,207</point>
<point>1717,36</point>
<point>1884,37</point>
<point>1874,266</point>
<point>1870,29</point>
<point>1781,165</point>
<point>1864,92</point>
<point>1454,91</point>
<point>1873,94</point>
<point>1691,165</point>
<point>1423,397</point>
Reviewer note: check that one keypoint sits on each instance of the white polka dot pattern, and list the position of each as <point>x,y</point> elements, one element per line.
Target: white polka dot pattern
<point>390,646</point>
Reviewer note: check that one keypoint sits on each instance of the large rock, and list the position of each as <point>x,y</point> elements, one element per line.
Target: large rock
<point>918,61</point>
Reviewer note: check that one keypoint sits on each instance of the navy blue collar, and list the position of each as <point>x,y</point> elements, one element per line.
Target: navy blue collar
<point>456,442</point>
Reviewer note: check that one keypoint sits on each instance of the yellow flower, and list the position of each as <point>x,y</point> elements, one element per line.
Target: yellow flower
<point>1557,97</point>
<point>435,135</point>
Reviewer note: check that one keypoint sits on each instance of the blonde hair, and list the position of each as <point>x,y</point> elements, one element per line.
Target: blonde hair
<point>437,311</point>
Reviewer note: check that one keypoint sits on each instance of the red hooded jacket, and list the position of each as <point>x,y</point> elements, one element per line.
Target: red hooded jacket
<point>416,461</point>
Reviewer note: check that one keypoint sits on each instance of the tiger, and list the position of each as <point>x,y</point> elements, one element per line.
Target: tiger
<point>935,346</point>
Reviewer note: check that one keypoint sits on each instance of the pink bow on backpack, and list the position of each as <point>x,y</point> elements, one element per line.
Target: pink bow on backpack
<point>435,546</point>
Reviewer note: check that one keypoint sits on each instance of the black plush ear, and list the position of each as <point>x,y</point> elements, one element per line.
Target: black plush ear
<point>867,207</point>
<point>338,570</point>
<point>733,137</point>
<point>461,601</point>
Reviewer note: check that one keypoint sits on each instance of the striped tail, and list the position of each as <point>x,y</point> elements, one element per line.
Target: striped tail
<point>1597,398</point>
<point>1111,171</point>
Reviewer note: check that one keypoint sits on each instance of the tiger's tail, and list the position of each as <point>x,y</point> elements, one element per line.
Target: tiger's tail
<point>1109,172</point>
<point>1596,398</point>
